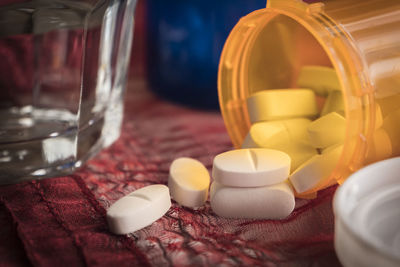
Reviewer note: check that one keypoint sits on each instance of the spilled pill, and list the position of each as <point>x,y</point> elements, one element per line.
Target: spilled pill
<point>138,209</point>
<point>328,130</point>
<point>188,182</point>
<point>282,104</point>
<point>251,167</point>
<point>315,170</point>
<point>321,80</point>
<point>297,129</point>
<point>266,202</point>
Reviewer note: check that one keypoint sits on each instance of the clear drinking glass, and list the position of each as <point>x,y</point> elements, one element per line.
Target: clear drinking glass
<point>63,68</point>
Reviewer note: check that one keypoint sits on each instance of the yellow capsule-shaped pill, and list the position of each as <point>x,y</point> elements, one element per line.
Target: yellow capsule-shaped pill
<point>282,104</point>
<point>328,130</point>
<point>321,80</point>
<point>289,136</point>
<point>315,171</point>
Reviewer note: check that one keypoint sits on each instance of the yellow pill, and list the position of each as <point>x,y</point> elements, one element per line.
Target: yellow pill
<point>281,104</point>
<point>328,184</point>
<point>289,136</point>
<point>297,129</point>
<point>321,80</point>
<point>329,148</point>
<point>299,149</point>
<point>327,130</point>
<point>334,103</point>
<point>277,134</point>
<point>315,170</point>
<point>269,134</point>
<point>299,153</point>
<point>188,182</point>
<point>314,194</point>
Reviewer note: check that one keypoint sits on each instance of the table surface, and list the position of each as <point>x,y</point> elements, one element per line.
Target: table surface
<point>61,221</point>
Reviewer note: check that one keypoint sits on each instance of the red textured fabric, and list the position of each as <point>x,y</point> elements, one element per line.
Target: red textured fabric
<point>61,221</point>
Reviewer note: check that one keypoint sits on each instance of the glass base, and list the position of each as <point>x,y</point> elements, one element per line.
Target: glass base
<point>48,143</point>
<point>63,72</point>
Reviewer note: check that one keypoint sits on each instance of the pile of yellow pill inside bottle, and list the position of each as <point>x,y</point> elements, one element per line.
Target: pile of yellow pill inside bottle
<point>320,82</point>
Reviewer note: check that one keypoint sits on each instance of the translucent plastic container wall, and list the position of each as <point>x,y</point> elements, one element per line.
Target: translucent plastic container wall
<point>360,39</point>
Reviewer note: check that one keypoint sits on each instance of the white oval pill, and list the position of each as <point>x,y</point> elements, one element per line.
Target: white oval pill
<point>138,209</point>
<point>188,182</point>
<point>266,202</point>
<point>251,167</point>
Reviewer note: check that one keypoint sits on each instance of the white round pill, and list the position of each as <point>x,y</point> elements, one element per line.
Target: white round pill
<point>138,209</point>
<point>251,167</point>
<point>188,182</point>
<point>265,202</point>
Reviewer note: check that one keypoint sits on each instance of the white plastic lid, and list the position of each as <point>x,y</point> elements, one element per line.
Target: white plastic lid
<point>367,216</point>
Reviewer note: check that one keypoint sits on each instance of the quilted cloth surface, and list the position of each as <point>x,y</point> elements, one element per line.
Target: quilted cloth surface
<point>61,221</point>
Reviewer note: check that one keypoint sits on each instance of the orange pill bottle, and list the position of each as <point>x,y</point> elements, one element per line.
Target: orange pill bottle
<point>360,39</point>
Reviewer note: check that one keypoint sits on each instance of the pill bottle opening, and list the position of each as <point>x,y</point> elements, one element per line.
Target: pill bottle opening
<point>269,48</point>
<point>293,48</point>
<point>275,51</point>
<point>272,57</point>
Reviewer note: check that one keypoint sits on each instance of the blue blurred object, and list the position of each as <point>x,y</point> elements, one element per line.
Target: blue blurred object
<point>185,40</point>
